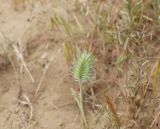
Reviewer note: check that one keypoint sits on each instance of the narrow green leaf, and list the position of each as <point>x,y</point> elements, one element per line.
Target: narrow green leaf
<point>156,78</point>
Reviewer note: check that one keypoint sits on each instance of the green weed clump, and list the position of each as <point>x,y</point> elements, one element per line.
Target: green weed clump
<point>82,72</point>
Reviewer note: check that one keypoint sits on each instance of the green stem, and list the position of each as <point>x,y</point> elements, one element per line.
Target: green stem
<point>81,104</point>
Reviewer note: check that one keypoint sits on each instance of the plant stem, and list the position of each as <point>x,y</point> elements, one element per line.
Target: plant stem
<point>81,105</point>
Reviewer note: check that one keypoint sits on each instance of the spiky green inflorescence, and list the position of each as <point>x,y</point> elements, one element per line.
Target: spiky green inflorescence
<point>83,67</point>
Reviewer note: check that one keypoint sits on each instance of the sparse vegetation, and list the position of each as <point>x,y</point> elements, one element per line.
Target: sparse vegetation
<point>41,42</point>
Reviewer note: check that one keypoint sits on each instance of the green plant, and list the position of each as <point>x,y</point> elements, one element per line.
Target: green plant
<point>82,71</point>
<point>156,78</point>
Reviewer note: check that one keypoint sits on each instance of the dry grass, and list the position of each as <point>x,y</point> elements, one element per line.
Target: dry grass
<point>123,36</point>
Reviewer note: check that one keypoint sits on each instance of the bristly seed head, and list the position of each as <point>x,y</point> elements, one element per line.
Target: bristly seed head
<point>83,65</point>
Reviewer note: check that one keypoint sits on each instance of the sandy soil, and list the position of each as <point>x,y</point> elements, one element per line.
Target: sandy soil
<point>28,42</point>
<point>29,25</point>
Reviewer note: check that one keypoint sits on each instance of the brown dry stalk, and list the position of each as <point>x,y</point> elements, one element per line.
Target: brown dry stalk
<point>114,12</point>
<point>113,111</point>
<point>154,121</point>
<point>90,42</point>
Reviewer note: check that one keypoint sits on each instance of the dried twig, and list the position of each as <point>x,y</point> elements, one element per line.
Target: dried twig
<point>20,56</point>
<point>44,73</point>
<point>27,101</point>
<point>155,119</point>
